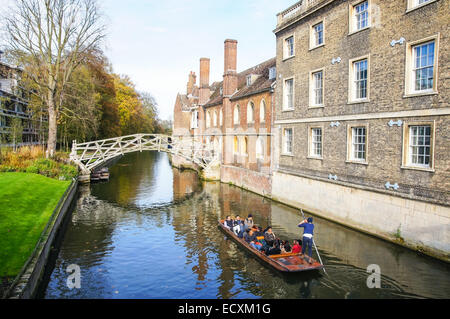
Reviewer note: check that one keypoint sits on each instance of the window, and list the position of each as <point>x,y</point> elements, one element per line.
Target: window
<point>315,149</point>
<point>250,112</point>
<point>194,120</point>
<point>260,148</point>
<point>262,111</point>
<point>215,118</point>
<point>208,119</point>
<point>317,35</point>
<point>421,66</point>
<point>249,80</point>
<point>272,73</point>
<point>245,146</point>
<point>316,84</point>
<point>358,147</point>
<point>236,145</point>
<point>359,80</point>
<point>414,4</point>
<point>236,115</point>
<point>289,47</point>
<point>418,145</point>
<point>287,141</point>
<point>359,16</point>
<point>288,103</point>
<point>221,117</point>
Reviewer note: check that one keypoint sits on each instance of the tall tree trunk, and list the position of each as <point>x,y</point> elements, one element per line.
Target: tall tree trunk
<point>52,130</point>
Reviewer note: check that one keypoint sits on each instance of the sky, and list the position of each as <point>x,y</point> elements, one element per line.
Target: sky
<point>158,42</point>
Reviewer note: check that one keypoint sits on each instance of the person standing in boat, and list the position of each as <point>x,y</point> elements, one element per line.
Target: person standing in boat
<point>308,233</point>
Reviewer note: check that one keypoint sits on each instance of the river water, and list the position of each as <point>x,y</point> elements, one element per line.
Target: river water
<point>151,232</point>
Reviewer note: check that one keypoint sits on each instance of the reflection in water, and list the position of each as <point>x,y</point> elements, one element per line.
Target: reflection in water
<point>151,232</point>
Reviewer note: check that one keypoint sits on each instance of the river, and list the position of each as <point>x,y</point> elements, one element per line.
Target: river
<point>151,232</point>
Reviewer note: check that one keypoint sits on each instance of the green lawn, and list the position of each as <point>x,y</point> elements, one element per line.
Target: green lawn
<point>26,203</point>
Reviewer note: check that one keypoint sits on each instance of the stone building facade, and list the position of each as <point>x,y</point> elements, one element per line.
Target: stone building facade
<point>233,117</point>
<point>362,116</point>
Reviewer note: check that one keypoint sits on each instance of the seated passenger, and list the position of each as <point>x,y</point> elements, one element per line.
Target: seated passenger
<point>248,223</point>
<point>297,248</point>
<point>269,236</point>
<point>275,249</point>
<point>238,226</point>
<point>286,247</point>
<point>250,238</point>
<point>228,223</point>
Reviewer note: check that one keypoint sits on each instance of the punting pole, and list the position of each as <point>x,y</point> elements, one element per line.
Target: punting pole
<point>314,243</point>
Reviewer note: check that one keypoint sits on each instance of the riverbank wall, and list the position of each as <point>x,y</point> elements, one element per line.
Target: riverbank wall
<point>417,225</point>
<point>26,284</point>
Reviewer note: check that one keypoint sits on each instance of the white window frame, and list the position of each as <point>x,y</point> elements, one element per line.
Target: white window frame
<point>406,152</point>
<point>221,117</point>
<point>285,97</point>
<point>414,4</point>
<point>284,144</point>
<point>259,148</point>
<point>262,111</point>
<point>194,120</point>
<point>286,52</point>
<point>215,119</point>
<point>351,80</point>
<point>350,150</point>
<point>311,144</point>
<point>237,115</point>
<point>410,65</point>
<point>250,111</point>
<point>208,119</point>
<point>313,35</point>
<point>352,21</point>
<point>312,88</point>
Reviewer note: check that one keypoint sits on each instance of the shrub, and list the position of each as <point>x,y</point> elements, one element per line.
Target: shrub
<point>32,169</point>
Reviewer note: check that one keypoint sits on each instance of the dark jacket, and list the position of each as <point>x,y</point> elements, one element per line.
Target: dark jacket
<point>269,238</point>
<point>229,223</point>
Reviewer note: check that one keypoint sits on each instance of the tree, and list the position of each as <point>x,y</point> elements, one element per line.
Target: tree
<point>16,132</point>
<point>51,38</point>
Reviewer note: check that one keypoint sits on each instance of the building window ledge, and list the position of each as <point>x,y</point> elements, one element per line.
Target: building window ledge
<point>288,58</point>
<point>315,158</point>
<point>416,94</point>
<point>287,110</point>
<point>316,106</point>
<point>317,46</point>
<point>357,162</point>
<point>358,101</point>
<point>420,6</point>
<point>287,154</point>
<point>418,168</point>
<point>360,30</point>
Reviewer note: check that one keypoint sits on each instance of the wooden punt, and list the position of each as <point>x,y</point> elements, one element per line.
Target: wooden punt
<point>286,262</point>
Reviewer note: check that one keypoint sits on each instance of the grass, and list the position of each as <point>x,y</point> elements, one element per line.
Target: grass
<point>26,203</point>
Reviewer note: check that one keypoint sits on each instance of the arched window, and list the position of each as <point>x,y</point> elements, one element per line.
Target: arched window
<point>262,111</point>
<point>208,119</point>
<point>236,145</point>
<point>260,148</point>
<point>250,112</point>
<point>236,115</point>
<point>215,118</point>
<point>221,117</point>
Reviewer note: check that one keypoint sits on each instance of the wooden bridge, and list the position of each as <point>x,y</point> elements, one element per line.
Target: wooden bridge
<point>93,155</point>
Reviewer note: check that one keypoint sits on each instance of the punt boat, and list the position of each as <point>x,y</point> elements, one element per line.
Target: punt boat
<point>285,263</point>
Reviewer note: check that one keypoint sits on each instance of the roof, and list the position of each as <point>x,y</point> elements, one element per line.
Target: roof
<point>261,84</point>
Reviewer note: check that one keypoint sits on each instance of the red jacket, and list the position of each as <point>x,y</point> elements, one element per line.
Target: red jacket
<point>297,249</point>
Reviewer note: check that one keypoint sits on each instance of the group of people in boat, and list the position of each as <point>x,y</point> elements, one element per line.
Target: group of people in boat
<point>262,240</point>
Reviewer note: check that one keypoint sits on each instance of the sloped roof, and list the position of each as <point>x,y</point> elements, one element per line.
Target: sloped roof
<point>261,84</point>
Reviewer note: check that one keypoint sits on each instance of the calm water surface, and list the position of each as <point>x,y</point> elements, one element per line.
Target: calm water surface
<point>151,232</point>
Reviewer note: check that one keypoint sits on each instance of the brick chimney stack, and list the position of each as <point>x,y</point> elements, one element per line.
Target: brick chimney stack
<point>191,83</point>
<point>230,66</point>
<point>204,81</point>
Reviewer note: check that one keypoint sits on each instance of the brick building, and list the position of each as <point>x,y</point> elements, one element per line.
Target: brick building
<point>362,116</point>
<point>234,116</point>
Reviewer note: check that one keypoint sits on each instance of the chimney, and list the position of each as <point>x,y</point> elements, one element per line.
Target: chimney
<point>230,65</point>
<point>191,83</point>
<point>204,81</point>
